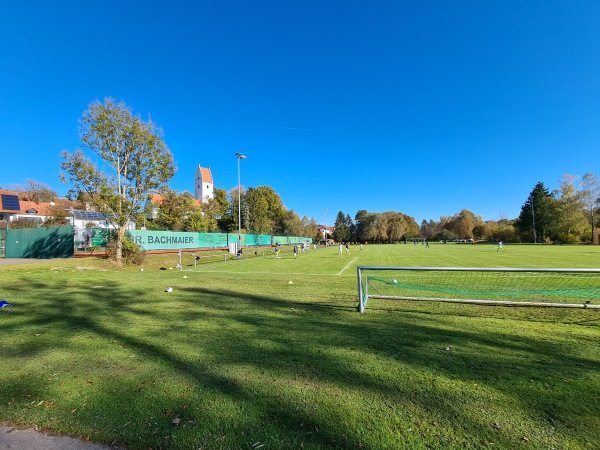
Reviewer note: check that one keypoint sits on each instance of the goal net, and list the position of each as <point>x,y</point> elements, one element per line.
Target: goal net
<point>567,288</point>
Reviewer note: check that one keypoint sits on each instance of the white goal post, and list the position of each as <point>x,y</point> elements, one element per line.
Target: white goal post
<point>501,286</point>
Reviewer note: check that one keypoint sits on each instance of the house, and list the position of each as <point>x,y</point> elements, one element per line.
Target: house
<point>203,185</point>
<point>93,219</point>
<point>9,205</point>
<point>13,208</point>
<point>33,211</point>
<point>327,232</point>
<point>153,205</point>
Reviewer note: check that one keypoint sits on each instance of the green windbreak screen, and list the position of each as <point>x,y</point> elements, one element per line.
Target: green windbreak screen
<point>169,240</point>
<point>45,242</point>
<point>165,240</point>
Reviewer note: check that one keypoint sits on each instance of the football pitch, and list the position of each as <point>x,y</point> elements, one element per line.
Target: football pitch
<point>271,353</point>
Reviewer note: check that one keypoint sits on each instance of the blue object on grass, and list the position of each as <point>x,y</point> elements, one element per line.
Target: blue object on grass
<point>4,303</point>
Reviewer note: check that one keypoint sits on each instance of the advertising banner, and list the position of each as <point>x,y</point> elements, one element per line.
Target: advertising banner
<point>164,240</point>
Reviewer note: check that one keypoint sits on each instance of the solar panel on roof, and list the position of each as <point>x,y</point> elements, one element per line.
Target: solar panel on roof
<point>89,215</point>
<point>10,202</point>
<point>93,215</point>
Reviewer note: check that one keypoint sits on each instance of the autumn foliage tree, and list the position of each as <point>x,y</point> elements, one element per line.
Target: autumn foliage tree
<point>134,162</point>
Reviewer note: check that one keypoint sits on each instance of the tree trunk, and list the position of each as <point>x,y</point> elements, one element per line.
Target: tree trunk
<point>119,249</point>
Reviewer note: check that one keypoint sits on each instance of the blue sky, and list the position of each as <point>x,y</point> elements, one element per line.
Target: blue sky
<point>420,107</point>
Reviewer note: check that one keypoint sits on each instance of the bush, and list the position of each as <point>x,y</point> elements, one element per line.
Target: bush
<point>132,253</point>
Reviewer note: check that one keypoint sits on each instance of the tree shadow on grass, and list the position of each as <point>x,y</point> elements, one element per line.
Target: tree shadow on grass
<point>275,367</point>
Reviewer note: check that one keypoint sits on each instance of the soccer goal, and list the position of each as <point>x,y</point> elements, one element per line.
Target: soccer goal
<point>562,288</point>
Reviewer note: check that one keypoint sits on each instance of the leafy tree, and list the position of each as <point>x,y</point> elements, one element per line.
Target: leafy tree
<point>429,230</point>
<point>57,216</point>
<point>292,225</point>
<point>136,159</point>
<point>590,198</point>
<point>265,210</point>
<point>481,231</point>
<point>174,209</point>
<point>462,224</point>
<point>446,235</point>
<point>200,222</point>
<point>364,224</point>
<point>411,225</point>
<point>570,223</point>
<point>311,228</point>
<point>391,226</point>
<point>505,231</point>
<point>205,218</point>
<point>222,210</point>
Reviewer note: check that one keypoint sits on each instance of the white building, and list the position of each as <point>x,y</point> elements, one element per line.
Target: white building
<point>92,219</point>
<point>203,185</point>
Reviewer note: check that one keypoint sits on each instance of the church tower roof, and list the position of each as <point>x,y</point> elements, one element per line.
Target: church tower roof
<point>206,174</point>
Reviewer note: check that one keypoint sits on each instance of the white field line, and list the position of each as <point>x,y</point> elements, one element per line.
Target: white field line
<point>347,265</point>
<point>266,273</point>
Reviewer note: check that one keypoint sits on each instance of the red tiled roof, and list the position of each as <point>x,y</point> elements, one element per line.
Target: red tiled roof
<point>206,175</point>
<point>8,192</point>
<point>42,208</point>
<point>156,199</point>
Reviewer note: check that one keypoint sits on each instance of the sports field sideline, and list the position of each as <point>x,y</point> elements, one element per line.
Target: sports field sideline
<point>236,356</point>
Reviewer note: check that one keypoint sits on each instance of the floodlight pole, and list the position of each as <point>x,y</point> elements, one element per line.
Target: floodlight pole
<point>325,234</point>
<point>533,218</point>
<point>239,157</point>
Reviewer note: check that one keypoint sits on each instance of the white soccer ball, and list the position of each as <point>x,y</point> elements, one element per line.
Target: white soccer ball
<point>169,289</point>
<point>142,269</point>
<point>395,281</point>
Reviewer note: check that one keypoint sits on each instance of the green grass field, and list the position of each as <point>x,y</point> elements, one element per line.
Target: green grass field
<point>236,357</point>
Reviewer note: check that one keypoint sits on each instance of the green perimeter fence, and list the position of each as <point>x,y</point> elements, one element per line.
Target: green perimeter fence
<point>172,240</point>
<point>45,242</point>
<point>61,242</point>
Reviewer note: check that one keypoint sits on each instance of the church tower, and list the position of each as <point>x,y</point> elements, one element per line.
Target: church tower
<point>203,186</point>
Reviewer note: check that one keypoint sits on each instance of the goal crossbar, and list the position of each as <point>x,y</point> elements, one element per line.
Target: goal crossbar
<point>522,282</point>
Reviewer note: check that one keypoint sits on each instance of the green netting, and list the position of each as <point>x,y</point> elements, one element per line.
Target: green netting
<point>568,285</point>
<point>561,286</point>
